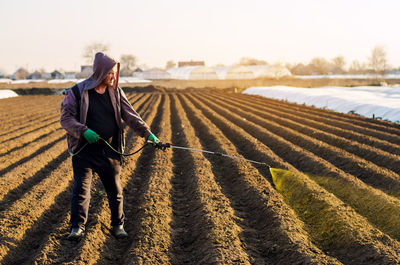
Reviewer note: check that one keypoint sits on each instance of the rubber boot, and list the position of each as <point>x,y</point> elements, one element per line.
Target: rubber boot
<point>119,232</point>
<point>76,234</point>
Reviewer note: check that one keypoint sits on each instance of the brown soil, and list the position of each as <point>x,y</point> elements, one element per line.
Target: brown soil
<point>196,208</point>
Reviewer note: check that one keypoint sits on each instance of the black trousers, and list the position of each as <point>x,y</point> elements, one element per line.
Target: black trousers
<point>100,159</point>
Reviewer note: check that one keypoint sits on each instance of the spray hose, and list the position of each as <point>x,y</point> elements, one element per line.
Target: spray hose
<point>164,146</point>
<point>112,148</point>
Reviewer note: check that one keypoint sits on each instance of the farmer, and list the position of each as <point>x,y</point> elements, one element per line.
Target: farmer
<point>90,112</point>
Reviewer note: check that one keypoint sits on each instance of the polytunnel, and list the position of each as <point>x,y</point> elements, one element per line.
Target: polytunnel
<point>269,71</point>
<point>155,73</point>
<point>368,101</point>
<point>233,72</point>
<point>192,73</point>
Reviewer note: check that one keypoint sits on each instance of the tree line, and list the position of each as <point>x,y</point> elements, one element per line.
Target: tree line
<point>376,63</point>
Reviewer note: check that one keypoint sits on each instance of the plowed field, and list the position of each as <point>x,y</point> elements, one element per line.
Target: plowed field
<point>337,203</point>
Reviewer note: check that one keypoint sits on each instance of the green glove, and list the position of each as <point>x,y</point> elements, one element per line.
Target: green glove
<point>154,139</point>
<point>91,136</point>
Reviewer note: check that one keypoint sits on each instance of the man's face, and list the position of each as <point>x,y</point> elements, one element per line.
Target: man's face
<point>109,80</point>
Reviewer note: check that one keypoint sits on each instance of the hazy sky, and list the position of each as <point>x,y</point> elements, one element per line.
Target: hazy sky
<point>52,34</point>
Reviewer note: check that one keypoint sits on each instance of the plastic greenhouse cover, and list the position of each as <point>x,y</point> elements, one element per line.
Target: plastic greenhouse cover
<point>382,102</point>
<point>7,93</point>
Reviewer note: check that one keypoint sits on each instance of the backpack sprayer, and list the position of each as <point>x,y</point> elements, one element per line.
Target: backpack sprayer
<point>164,146</point>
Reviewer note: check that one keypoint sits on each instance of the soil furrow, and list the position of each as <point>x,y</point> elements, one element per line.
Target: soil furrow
<point>10,180</point>
<point>368,172</point>
<point>14,194</point>
<point>15,132</point>
<point>29,219</point>
<point>27,138</point>
<point>376,156</point>
<point>325,116</point>
<point>148,202</point>
<point>375,124</point>
<point>342,222</point>
<point>296,114</point>
<point>30,109</point>
<point>18,161</point>
<point>15,156</point>
<point>381,208</point>
<point>283,240</point>
<point>17,121</point>
<point>135,183</point>
<point>203,227</point>
<point>32,102</point>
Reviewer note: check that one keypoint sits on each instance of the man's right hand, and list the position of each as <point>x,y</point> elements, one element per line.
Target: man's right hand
<point>91,136</point>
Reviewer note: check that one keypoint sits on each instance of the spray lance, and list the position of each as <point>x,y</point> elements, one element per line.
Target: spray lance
<point>165,146</point>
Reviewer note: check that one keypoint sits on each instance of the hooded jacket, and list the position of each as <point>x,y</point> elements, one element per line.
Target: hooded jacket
<point>76,126</point>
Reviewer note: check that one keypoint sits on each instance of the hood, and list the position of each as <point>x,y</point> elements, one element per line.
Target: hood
<point>101,66</point>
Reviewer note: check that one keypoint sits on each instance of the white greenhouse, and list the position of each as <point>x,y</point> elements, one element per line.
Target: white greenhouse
<point>193,73</point>
<point>368,101</point>
<point>269,71</point>
<point>233,72</point>
<point>154,73</point>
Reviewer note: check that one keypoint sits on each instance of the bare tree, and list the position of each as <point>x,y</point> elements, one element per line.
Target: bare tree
<point>128,63</point>
<point>170,64</point>
<point>320,66</point>
<point>338,64</point>
<point>357,68</point>
<point>2,73</point>
<point>300,69</point>
<point>251,61</point>
<point>90,50</point>
<point>378,60</point>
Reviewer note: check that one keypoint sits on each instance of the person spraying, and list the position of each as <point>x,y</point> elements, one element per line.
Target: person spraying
<point>92,110</point>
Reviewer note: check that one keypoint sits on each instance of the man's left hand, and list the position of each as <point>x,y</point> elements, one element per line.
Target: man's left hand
<point>154,141</point>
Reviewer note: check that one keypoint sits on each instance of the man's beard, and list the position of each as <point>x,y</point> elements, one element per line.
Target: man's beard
<point>108,84</point>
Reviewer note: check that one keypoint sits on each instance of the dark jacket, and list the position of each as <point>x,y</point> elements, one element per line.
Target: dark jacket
<point>76,126</point>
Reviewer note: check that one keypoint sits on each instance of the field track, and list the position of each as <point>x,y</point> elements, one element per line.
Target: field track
<point>338,203</point>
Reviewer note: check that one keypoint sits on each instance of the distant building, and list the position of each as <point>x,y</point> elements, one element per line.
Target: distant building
<point>35,75</point>
<point>56,75</point>
<point>86,71</point>
<point>20,74</point>
<point>69,75</point>
<point>191,63</point>
<point>46,75</point>
<point>137,72</point>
